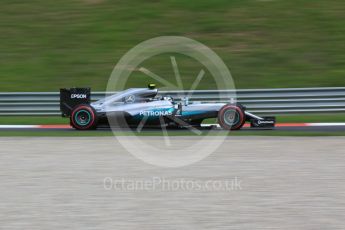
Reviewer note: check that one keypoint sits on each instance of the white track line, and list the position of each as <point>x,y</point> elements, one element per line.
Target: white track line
<point>202,125</point>
<point>208,125</point>
<point>19,126</point>
<point>297,124</point>
<point>326,124</point>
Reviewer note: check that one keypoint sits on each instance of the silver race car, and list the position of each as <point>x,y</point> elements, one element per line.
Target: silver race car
<point>141,107</point>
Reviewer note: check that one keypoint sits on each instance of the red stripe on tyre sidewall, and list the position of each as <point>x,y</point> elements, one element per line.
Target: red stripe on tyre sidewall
<point>238,109</point>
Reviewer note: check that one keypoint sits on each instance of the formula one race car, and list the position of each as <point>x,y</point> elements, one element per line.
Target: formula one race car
<point>141,107</point>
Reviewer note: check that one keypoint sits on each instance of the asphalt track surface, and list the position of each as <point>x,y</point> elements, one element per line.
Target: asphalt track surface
<point>284,183</point>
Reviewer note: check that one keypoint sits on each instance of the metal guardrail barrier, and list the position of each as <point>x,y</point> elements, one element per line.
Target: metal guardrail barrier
<point>260,101</point>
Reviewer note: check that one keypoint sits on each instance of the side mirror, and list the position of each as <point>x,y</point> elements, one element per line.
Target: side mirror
<point>179,107</point>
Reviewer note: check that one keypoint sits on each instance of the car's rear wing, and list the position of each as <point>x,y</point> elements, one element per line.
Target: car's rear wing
<point>70,98</point>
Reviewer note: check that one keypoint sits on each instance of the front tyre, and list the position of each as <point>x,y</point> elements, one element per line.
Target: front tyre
<point>83,117</point>
<point>231,117</point>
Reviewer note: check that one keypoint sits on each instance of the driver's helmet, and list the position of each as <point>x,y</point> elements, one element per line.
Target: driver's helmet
<point>167,98</point>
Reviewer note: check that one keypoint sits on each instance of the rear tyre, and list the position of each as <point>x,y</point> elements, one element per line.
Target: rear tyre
<point>231,117</point>
<point>83,117</point>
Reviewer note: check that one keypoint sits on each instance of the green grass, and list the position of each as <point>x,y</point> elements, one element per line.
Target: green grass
<point>305,118</point>
<point>48,44</point>
<point>314,118</point>
<point>34,120</point>
<point>41,120</point>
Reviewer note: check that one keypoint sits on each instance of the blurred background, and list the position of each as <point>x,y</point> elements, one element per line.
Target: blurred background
<point>48,44</point>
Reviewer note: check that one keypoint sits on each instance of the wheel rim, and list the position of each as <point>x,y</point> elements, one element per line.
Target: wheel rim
<point>231,117</point>
<point>83,117</point>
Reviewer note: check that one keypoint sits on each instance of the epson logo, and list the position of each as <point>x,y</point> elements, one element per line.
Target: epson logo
<point>78,96</point>
<point>265,122</point>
